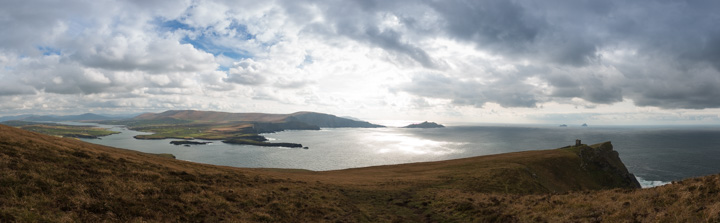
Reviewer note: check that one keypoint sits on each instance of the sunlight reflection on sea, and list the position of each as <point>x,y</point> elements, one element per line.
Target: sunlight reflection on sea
<point>403,143</point>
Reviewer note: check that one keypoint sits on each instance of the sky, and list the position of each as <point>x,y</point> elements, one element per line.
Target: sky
<point>485,61</point>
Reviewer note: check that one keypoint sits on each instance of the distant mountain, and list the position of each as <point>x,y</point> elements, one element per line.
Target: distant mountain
<point>351,118</point>
<point>213,116</point>
<point>15,117</point>
<point>54,118</point>
<point>330,121</point>
<point>121,116</point>
<point>425,125</point>
<point>58,118</point>
<point>310,118</point>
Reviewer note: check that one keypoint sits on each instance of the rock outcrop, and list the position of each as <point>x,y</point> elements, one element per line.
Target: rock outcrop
<point>605,163</point>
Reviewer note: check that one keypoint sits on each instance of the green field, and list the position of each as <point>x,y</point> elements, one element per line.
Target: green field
<point>72,131</point>
<point>241,133</point>
<point>186,129</point>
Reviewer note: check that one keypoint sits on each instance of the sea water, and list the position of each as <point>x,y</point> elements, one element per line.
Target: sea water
<point>656,155</point>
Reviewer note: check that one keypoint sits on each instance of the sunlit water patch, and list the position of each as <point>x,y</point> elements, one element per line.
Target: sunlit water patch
<point>398,143</point>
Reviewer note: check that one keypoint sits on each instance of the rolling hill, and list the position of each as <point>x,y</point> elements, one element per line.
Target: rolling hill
<point>235,128</point>
<point>49,179</point>
<point>311,118</point>
<point>58,118</point>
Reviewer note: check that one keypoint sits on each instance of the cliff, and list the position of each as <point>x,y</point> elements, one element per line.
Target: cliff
<point>603,162</point>
<point>49,179</point>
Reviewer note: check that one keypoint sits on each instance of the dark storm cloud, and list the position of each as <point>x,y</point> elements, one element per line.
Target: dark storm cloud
<point>589,87</point>
<point>14,89</point>
<point>361,21</point>
<point>493,24</point>
<point>670,43</point>
<point>390,40</point>
<point>653,52</point>
<point>26,25</point>
<point>473,93</point>
<point>695,88</point>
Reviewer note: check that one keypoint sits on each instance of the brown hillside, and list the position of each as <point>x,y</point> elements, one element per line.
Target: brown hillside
<point>45,178</point>
<point>306,119</point>
<point>213,116</point>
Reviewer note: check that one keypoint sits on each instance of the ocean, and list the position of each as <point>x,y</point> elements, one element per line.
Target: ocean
<point>655,154</point>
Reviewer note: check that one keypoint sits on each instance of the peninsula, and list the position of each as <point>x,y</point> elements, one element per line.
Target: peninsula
<point>70,131</point>
<point>232,128</point>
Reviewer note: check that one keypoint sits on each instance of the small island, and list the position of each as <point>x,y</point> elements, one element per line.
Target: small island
<point>186,142</point>
<point>563,125</point>
<point>584,125</point>
<point>240,141</point>
<point>425,125</point>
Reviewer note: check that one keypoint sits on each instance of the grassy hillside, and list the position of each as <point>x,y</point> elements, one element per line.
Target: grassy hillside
<point>213,116</point>
<point>45,178</point>
<point>72,131</point>
<point>310,118</point>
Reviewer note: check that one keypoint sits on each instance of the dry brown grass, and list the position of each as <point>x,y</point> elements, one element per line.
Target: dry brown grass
<point>48,179</point>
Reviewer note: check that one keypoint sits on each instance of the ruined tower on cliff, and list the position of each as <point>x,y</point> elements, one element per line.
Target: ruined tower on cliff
<point>577,142</point>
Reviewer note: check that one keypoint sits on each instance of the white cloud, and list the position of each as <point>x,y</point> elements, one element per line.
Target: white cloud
<point>481,60</point>
<point>248,72</point>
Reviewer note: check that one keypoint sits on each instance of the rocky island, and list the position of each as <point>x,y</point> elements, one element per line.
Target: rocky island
<point>425,125</point>
<point>187,142</point>
<point>257,143</point>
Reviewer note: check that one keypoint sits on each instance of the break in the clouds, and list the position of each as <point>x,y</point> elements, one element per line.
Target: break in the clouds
<point>466,59</point>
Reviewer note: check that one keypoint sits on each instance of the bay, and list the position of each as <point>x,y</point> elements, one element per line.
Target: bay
<point>655,154</point>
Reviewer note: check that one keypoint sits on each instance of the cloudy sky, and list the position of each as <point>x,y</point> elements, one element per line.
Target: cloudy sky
<point>512,61</point>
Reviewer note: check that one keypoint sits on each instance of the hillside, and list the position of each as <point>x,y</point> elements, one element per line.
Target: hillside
<point>310,118</point>
<point>212,116</point>
<point>329,121</point>
<point>59,118</point>
<point>234,128</point>
<point>46,178</point>
<point>73,131</point>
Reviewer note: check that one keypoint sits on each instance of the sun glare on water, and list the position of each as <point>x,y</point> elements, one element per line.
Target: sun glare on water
<point>399,143</point>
